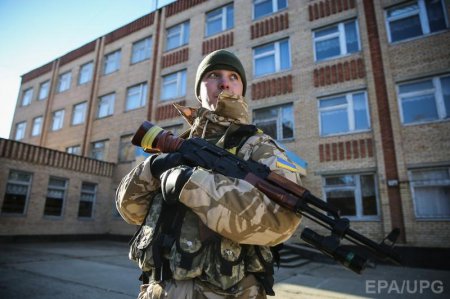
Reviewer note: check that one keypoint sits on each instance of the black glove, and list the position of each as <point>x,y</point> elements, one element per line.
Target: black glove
<point>164,162</point>
<point>172,181</point>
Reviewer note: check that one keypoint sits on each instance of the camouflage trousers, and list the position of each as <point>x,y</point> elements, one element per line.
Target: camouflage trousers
<point>248,288</point>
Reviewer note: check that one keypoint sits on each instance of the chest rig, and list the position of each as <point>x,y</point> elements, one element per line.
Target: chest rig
<point>172,242</point>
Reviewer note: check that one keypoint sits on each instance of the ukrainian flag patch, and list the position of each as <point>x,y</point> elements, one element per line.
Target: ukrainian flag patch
<point>281,163</point>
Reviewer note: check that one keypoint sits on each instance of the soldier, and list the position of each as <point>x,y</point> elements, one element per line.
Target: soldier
<point>202,234</point>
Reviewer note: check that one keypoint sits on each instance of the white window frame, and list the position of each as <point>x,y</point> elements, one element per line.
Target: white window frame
<point>85,191</point>
<point>138,94</point>
<point>20,130</point>
<point>74,150</point>
<point>64,81</point>
<point>274,8</point>
<point>356,188</point>
<point>349,107</point>
<point>438,97</point>
<point>278,120</point>
<point>27,97</point>
<point>223,18</point>
<point>423,17</point>
<point>14,181</point>
<point>37,126</point>
<point>107,101</point>
<point>58,188</point>
<point>44,90</point>
<point>342,39</point>
<point>276,54</point>
<point>427,183</point>
<point>141,50</point>
<point>57,120</point>
<point>111,62</point>
<point>182,31</point>
<point>79,113</point>
<point>86,72</point>
<point>178,80</point>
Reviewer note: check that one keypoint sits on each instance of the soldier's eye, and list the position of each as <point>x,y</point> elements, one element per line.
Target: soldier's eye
<point>212,75</point>
<point>234,77</point>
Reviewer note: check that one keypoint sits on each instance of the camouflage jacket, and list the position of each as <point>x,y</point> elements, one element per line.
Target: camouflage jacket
<point>246,221</point>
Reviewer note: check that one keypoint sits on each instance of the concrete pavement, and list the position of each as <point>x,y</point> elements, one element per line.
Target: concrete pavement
<point>101,269</point>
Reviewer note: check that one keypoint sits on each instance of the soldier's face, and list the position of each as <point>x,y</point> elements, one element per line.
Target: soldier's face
<point>214,82</point>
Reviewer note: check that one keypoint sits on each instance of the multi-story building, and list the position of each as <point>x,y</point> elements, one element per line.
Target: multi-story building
<point>360,89</point>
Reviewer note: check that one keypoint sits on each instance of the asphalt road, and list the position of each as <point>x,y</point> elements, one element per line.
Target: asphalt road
<point>101,269</point>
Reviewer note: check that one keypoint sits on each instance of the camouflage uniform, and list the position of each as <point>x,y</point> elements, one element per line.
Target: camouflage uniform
<point>227,220</point>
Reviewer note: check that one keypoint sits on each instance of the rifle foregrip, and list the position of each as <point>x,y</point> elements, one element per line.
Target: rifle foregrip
<point>275,193</point>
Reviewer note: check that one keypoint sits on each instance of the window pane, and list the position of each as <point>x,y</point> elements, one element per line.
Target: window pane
<point>419,108</point>
<point>328,48</point>
<point>432,202</point>
<point>333,102</point>
<point>335,121</point>
<point>435,15</point>
<point>265,65</point>
<point>230,17</point>
<point>360,111</point>
<point>282,4</point>
<point>369,199</point>
<point>328,31</point>
<point>15,199</point>
<point>416,86</point>
<point>445,85</point>
<point>285,58</point>
<point>262,8</point>
<point>405,28</point>
<point>269,127</point>
<point>43,91</point>
<point>344,200</point>
<point>287,122</point>
<point>214,22</point>
<point>351,37</point>
<point>344,180</point>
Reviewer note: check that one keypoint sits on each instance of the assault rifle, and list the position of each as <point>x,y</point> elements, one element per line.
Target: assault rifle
<point>199,152</point>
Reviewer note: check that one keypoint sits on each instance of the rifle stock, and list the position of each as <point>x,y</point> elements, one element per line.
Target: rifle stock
<point>198,152</point>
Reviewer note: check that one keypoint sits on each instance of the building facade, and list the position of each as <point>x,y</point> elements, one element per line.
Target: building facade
<point>360,89</point>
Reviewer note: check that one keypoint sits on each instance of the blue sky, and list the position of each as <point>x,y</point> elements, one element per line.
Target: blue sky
<point>35,32</point>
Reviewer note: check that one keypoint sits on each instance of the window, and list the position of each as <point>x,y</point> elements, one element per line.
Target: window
<point>44,89</point>
<point>20,130</point>
<point>27,97</point>
<point>177,36</point>
<point>79,113</point>
<point>425,100</point>
<point>219,20</point>
<point>343,114</point>
<point>271,58</point>
<point>136,96</point>
<point>354,195</point>
<point>414,19</point>
<point>87,200</point>
<point>337,40</point>
<point>64,81</point>
<point>263,8</point>
<point>106,105</point>
<point>37,126</point>
<point>98,149</point>
<point>112,62</point>
<point>277,122</point>
<point>86,71</point>
<point>430,190</point>
<point>57,120</point>
<point>141,50</point>
<point>74,150</point>
<point>56,193</point>
<point>126,149</point>
<point>17,192</point>
<point>173,85</point>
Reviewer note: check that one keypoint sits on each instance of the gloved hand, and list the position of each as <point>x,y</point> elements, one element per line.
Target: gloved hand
<point>172,181</point>
<point>163,162</point>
